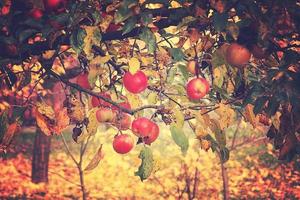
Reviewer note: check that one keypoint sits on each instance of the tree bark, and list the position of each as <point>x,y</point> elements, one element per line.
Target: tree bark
<point>40,160</point>
<point>225,181</point>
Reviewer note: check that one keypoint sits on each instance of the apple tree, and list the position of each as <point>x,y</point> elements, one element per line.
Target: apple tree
<point>142,65</point>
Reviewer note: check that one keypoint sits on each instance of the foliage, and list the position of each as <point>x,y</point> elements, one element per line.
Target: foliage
<point>113,178</point>
<point>42,58</point>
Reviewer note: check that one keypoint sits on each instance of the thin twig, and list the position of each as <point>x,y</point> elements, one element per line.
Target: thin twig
<point>68,149</point>
<point>61,176</point>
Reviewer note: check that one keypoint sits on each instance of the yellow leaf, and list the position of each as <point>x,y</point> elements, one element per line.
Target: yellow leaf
<point>100,60</point>
<point>135,102</point>
<point>44,109</point>
<point>95,161</point>
<point>105,22</point>
<point>250,116</point>
<point>203,119</point>
<point>93,75</point>
<point>219,73</point>
<point>90,40</point>
<point>200,131</point>
<point>276,120</point>
<point>48,54</point>
<point>134,65</point>
<point>178,118</point>
<point>227,115</point>
<point>152,98</point>
<point>93,123</point>
<point>75,108</point>
<point>175,4</point>
<point>147,60</point>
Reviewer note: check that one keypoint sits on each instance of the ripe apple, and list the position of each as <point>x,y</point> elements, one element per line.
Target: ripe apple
<point>145,129</point>
<point>153,134</point>
<point>99,102</point>
<point>191,66</point>
<point>36,13</point>
<point>237,55</point>
<point>122,121</point>
<point>141,127</point>
<point>197,88</point>
<point>135,83</point>
<point>53,4</point>
<point>123,143</point>
<point>105,115</point>
<point>83,81</point>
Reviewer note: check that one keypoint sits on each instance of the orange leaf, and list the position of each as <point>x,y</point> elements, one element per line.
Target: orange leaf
<point>62,121</point>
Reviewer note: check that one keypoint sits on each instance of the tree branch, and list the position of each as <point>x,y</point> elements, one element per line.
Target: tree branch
<point>79,88</point>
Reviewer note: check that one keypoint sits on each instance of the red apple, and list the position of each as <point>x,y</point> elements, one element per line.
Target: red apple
<point>53,4</point>
<point>141,127</point>
<point>36,13</point>
<point>123,143</point>
<point>99,102</point>
<point>83,81</point>
<point>197,88</point>
<point>145,129</point>
<point>153,134</point>
<point>135,83</point>
<point>105,115</point>
<point>237,55</point>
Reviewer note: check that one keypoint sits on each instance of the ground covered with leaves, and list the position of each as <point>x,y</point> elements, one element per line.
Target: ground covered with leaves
<point>253,171</point>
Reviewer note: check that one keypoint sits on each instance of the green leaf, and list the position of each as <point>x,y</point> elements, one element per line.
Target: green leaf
<point>186,21</point>
<point>146,18</point>
<point>3,125</point>
<point>146,167</point>
<point>177,54</point>
<point>273,106</point>
<point>220,21</point>
<point>220,74</point>
<point>218,58</point>
<point>184,72</point>
<point>129,25</point>
<point>224,153</point>
<point>148,37</point>
<point>259,104</point>
<point>77,39</point>
<point>180,138</point>
<point>171,75</point>
<point>219,134</point>
<point>122,14</point>
<point>220,137</point>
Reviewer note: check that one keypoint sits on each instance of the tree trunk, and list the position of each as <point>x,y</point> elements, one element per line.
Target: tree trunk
<point>40,160</point>
<point>225,181</point>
